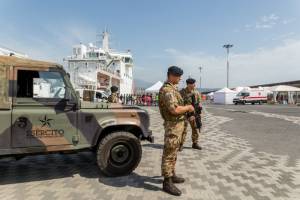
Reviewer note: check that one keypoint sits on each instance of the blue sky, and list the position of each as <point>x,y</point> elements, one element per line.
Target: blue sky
<point>190,33</point>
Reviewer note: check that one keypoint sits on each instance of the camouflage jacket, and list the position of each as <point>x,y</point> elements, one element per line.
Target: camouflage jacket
<point>113,98</point>
<point>187,96</point>
<point>169,99</point>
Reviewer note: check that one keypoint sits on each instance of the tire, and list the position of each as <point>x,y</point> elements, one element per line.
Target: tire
<point>119,153</point>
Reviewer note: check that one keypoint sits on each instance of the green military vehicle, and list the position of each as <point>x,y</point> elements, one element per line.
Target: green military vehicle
<point>40,113</point>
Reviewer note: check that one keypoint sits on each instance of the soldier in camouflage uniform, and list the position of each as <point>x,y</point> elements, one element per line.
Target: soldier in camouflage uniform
<point>172,110</point>
<point>187,94</point>
<point>113,98</point>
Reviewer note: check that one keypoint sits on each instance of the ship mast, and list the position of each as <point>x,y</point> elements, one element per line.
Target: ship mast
<point>105,41</point>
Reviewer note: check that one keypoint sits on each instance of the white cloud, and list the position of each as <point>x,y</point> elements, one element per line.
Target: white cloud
<point>271,17</point>
<point>284,36</point>
<point>281,63</point>
<point>287,21</point>
<point>54,44</point>
<point>267,22</point>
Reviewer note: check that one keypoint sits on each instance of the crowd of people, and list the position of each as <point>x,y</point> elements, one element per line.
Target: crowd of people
<point>147,99</point>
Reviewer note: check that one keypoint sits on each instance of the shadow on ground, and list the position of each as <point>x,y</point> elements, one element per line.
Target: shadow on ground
<point>58,166</point>
<point>154,146</point>
<point>133,180</point>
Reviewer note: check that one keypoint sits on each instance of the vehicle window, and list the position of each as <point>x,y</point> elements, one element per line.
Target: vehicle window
<point>40,84</point>
<point>244,94</point>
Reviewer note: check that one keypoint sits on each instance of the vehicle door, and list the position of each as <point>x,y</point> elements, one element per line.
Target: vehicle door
<point>44,110</point>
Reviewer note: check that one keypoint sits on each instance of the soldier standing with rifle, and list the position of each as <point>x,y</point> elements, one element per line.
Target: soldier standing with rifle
<point>191,96</point>
<point>173,112</point>
<point>113,98</point>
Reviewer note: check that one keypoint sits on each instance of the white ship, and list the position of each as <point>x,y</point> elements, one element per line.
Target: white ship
<point>96,68</point>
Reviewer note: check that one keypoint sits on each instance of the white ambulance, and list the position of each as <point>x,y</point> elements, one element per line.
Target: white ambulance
<point>251,95</point>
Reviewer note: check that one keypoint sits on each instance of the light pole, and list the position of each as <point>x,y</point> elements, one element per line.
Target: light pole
<point>227,46</point>
<point>200,69</point>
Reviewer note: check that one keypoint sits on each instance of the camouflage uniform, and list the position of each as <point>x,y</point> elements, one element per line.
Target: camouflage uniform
<point>187,97</point>
<point>113,98</point>
<point>170,98</point>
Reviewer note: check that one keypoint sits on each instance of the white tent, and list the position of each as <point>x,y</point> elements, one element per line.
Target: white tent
<point>240,88</point>
<point>288,94</point>
<point>284,88</point>
<point>224,96</point>
<point>155,87</point>
<point>210,94</point>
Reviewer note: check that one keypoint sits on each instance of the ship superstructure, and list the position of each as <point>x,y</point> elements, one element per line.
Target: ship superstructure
<point>94,68</point>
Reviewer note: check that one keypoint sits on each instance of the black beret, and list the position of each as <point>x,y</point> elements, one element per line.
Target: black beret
<point>114,89</point>
<point>190,81</point>
<point>176,71</point>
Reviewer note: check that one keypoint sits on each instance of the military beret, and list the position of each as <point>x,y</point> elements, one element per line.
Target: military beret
<point>114,89</point>
<point>190,81</point>
<point>176,71</point>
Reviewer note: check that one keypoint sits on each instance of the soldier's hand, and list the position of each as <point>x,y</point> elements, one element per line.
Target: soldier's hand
<point>192,118</point>
<point>191,108</point>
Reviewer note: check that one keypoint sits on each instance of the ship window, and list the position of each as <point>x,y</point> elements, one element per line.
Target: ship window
<point>127,60</point>
<point>98,95</point>
<point>88,95</point>
<point>93,55</point>
<point>74,51</point>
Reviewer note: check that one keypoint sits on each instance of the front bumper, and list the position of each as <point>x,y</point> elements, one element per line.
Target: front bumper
<point>149,137</point>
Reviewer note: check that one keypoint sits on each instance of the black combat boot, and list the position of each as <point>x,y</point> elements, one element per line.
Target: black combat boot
<point>169,187</point>
<point>177,179</point>
<point>196,146</point>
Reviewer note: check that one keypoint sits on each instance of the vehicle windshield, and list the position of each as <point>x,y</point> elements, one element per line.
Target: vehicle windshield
<point>243,94</point>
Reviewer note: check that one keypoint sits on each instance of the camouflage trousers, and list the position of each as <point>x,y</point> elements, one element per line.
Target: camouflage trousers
<point>195,132</point>
<point>172,139</point>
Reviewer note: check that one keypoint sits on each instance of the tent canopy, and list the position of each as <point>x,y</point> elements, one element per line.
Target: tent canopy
<point>225,90</point>
<point>284,88</point>
<point>224,96</point>
<point>239,88</point>
<point>155,87</point>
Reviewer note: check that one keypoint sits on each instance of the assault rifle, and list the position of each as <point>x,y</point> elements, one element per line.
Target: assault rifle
<point>197,112</point>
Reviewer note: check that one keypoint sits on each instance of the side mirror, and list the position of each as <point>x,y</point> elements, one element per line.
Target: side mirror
<point>68,95</point>
<point>78,94</point>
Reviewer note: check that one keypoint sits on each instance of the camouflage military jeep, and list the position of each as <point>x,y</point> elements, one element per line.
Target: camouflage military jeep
<point>40,112</point>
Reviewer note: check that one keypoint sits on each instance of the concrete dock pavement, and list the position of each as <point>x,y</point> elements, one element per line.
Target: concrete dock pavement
<point>248,153</point>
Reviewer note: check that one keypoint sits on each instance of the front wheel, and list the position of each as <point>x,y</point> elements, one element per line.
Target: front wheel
<point>119,153</point>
